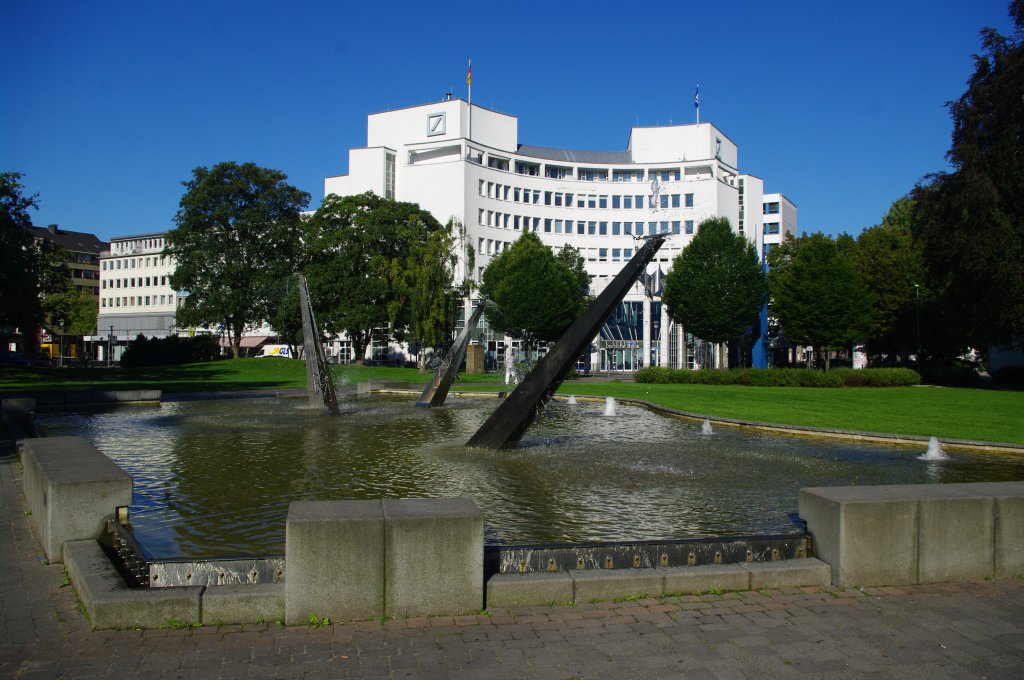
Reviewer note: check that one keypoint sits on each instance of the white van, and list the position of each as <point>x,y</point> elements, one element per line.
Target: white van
<point>275,351</point>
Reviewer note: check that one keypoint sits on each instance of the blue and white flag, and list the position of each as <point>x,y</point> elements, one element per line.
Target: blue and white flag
<point>696,97</point>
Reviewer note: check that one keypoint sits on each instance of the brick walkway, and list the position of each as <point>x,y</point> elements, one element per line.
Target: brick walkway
<point>963,630</point>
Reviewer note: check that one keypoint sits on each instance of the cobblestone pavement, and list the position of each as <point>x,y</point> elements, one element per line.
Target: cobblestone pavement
<point>960,630</point>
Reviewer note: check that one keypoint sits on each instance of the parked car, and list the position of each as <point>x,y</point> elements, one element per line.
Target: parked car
<point>13,359</point>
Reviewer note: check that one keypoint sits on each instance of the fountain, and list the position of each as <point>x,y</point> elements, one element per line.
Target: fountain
<point>572,400</point>
<point>705,427</point>
<point>934,451</point>
<point>609,406</point>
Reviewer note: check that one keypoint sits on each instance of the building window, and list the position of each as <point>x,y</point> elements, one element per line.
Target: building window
<point>638,202</point>
<point>616,228</point>
<point>581,227</point>
<point>627,202</point>
<point>771,208</point>
<point>771,227</point>
<point>389,175</point>
<point>602,202</point>
<point>547,225</point>
<point>557,172</point>
<point>531,169</point>
<point>689,226</point>
<point>497,163</point>
<point>602,228</point>
<point>593,175</point>
<point>627,228</point>
<point>675,226</point>
<point>689,200</point>
<point>675,200</point>
<point>592,228</point>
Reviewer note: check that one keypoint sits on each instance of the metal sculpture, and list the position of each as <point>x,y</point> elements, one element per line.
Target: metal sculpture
<point>436,390</point>
<point>319,384</point>
<point>509,421</point>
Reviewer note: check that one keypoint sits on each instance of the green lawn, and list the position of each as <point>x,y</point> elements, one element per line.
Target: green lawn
<point>950,413</point>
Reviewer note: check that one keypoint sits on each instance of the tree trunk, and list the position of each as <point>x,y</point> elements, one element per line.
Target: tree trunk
<point>828,359</point>
<point>422,361</point>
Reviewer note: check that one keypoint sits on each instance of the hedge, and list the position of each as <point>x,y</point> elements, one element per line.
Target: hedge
<point>143,351</point>
<point>782,377</point>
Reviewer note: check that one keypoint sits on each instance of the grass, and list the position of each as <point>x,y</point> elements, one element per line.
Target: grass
<point>944,412</point>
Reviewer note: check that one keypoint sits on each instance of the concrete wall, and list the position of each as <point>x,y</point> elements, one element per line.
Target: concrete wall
<point>71,489</point>
<point>917,533</point>
<point>368,559</point>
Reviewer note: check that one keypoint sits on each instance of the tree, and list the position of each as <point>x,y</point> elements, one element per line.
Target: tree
<point>428,277</point>
<point>360,250</point>
<point>78,310</point>
<point>530,293</point>
<point>970,222</point>
<point>236,241</point>
<point>286,316</point>
<point>716,286</point>
<point>19,262</point>
<point>815,293</point>
<point>891,267</point>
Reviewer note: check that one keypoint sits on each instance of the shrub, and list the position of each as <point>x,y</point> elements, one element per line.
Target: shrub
<point>143,351</point>
<point>956,375</point>
<point>782,377</point>
<point>1009,375</point>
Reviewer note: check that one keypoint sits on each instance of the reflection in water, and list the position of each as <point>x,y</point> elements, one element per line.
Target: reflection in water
<point>214,478</point>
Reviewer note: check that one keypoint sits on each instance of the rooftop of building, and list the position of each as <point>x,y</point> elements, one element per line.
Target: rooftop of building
<point>75,241</point>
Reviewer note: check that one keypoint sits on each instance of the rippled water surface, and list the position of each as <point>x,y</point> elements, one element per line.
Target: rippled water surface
<point>214,478</point>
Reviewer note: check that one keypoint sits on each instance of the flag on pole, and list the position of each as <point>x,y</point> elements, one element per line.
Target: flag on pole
<point>469,73</point>
<point>696,98</point>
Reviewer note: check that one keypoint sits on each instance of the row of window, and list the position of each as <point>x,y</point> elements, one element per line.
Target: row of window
<point>558,199</point>
<point>585,174</point>
<point>135,282</point>
<point>120,247</point>
<point>499,220</point>
<point>133,262</point>
<point>136,301</point>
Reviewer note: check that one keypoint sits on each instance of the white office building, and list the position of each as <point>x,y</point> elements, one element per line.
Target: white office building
<point>466,162</point>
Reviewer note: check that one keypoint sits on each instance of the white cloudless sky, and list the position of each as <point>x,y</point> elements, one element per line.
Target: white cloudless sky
<point>107,107</point>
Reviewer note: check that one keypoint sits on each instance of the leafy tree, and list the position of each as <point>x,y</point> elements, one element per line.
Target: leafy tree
<point>77,308</point>
<point>970,222</point>
<point>530,293</point>
<point>286,316</point>
<point>236,241</point>
<point>19,263</point>
<point>360,251</point>
<point>816,293</point>
<point>716,286</point>
<point>891,267</point>
<point>428,277</point>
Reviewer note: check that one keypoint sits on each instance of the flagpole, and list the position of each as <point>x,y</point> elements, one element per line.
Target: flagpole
<point>469,82</point>
<point>696,102</point>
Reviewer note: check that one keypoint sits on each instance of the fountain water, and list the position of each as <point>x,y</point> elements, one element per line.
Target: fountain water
<point>572,400</point>
<point>705,427</point>
<point>934,451</point>
<point>609,406</point>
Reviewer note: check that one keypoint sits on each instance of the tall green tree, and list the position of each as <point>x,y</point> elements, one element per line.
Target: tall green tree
<point>890,265</point>
<point>286,316</point>
<point>429,274</point>
<point>970,222</point>
<point>236,241</point>
<point>359,253</point>
<point>530,293</point>
<point>19,264</point>
<point>716,286</point>
<point>78,310</point>
<point>816,294</point>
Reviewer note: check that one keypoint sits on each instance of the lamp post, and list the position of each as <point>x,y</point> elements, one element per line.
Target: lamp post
<point>917,305</point>
<point>60,352</point>
<point>110,348</point>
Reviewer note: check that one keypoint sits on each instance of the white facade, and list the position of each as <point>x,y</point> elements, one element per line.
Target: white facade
<point>135,290</point>
<point>467,163</point>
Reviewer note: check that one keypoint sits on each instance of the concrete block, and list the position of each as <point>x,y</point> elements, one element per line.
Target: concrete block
<point>868,534</point>
<point>534,589</point>
<point>608,584</point>
<point>243,603</point>
<point>788,573</point>
<point>71,488</point>
<point>1009,524</point>
<point>110,603</point>
<point>334,560</point>
<point>700,579</point>
<point>956,536</point>
<point>434,551</point>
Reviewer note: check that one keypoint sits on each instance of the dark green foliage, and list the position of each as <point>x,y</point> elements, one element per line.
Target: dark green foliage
<point>77,308</point>
<point>286,315</point>
<point>889,264</point>
<point>530,293</point>
<point>970,222</point>
<point>17,260</point>
<point>365,256</point>
<point>955,374</point>
<point>816,294</point>
<point>782,377</point>
<point>236,242</point>
<point>169,351</point>
<point>429,273</point>
<point>1010,376</point>
<point>716,286</point>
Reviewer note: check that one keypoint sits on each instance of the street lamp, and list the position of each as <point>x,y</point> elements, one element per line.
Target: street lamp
<point>917,299</point>
<point>110,347</point>
<point>60,352</point>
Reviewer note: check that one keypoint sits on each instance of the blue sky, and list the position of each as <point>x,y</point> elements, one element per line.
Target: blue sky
<point>107,107</point>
